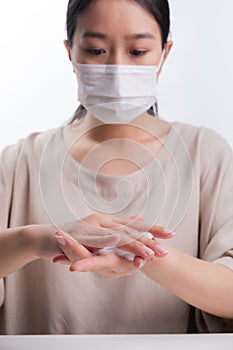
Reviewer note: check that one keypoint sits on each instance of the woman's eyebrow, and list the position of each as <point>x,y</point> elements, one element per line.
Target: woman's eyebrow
<point>135,36</point>
<point>91,34</point>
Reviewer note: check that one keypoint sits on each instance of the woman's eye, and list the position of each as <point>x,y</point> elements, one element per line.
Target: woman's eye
<point>95,51</point>
<point>138,52</point>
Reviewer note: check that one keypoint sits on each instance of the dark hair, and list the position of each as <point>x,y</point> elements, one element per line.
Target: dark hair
<point>159,9</point>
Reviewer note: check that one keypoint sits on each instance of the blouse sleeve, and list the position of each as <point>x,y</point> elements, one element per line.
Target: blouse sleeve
<point>8,161</point>
<point>216,215</point>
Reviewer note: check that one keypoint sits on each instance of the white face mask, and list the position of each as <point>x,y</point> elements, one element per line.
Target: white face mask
<point>117,93</point>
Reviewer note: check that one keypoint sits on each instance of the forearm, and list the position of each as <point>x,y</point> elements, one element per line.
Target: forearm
<point>15,250</point>
<point>207,286</point>
<point>22,245</point>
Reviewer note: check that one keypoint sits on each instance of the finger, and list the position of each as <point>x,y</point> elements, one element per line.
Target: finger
<point>108,261</point>
<point>146,248</point>
<point>136,217</point>
<point>130,240</point>
<point>139,262</point>
<point>142,246</point>
<point>152,244</point>
<point>95,239</point>
<point>61,259</point>
<point>100,241</point>
<point>72,248</point>
<point>157,231</point>
<point>138,248</point>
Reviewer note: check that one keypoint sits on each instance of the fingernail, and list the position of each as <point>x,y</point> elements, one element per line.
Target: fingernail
<point>142,263</point>
<point>148,251</point>
<point>173,233</point>
<point>65,234</point>
<point>161,249</point>
<point>81,267</point>
<point>60,240</point>
<point>59,261</point>
<point>68,236</point>
<point>58,257</point>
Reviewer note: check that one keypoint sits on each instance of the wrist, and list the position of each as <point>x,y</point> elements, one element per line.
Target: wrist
<point>41,241</point>
<point>163,269</point>
<point>27,241</point>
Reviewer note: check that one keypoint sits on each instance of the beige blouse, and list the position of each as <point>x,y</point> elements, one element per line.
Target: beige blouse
<point>186,187</point>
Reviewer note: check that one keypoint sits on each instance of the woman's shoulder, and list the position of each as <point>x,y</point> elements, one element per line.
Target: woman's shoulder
<point>29,147</point>
<point>208,145</point>
<point>206,136</point>
<point>193,129</point>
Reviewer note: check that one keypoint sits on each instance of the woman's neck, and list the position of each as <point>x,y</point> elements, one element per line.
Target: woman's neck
<point>138,130</point>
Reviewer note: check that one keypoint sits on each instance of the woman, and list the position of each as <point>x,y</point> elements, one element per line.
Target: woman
<point>86,193</point>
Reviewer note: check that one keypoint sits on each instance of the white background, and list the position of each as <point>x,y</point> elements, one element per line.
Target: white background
<point>38,88</point>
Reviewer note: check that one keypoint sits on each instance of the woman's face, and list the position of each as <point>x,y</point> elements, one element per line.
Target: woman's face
<point>116,32</point>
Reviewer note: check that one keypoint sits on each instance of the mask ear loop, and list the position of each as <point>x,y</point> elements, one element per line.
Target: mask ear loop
<point>155,105</point>
<point>155,109</point>
<point>81,110</point>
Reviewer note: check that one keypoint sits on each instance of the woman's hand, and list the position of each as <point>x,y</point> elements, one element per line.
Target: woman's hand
<point>100,231</point>
<point>80,259</point>
<point>132,239</point>
<point>44,245</point>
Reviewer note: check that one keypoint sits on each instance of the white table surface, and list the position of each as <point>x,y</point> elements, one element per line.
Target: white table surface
<point>122,342</point>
